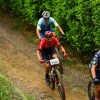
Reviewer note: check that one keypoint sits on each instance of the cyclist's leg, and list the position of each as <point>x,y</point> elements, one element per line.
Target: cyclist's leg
<point>97,92</point>
<point>45,56</point>
<point>47,68</point>
<point>53,52</point>
<point>54,55</point>
<point>47,73</point>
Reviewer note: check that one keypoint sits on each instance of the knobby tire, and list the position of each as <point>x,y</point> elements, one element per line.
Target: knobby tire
<point>59,55</point>
<point>52,81</point>
<point>60,85</point>
<point>90,94</point>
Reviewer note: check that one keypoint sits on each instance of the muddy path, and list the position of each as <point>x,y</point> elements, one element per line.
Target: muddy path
<point>19,63</point>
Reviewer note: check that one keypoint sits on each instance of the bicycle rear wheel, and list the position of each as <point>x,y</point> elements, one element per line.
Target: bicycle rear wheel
<point>59,55</point>
<point>91,90</point>
<point>60,84</point>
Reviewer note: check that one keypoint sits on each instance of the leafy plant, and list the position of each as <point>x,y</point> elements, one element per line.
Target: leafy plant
<point>80,20</point>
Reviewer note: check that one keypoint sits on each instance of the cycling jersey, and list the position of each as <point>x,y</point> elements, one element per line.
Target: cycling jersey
<point>44,43</point>
<point>42,25</point>
<point>96,59</point>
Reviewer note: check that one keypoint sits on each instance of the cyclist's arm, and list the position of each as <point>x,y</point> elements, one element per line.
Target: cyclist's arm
<point>62,49</point>
<point>60,29</point>
<point>93,72</point>
<point>38,54</point>
<point>56,24</point>
<point>41,45</point>
<point>38,28</point>
<point>59,45</point>
<point>38,33</point>
<point>94,64</point>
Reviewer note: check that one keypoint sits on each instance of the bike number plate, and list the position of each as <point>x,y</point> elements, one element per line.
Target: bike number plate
<point>54,61</point>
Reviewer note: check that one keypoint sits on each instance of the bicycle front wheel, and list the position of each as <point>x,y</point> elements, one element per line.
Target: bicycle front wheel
<point>52,83</point>
<point>52,80</point>
<point>91,90</point>
<point>60,84</point>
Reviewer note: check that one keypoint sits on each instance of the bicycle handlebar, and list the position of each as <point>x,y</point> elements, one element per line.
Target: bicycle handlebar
<point>60,37</point>
<point>98,81</point>
<point>48,61</point>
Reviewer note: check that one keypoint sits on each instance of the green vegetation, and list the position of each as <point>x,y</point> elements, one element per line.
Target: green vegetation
<point>8,91</point>
<point>29,97</point>
<point>18,24</point>
<point>80,19</point>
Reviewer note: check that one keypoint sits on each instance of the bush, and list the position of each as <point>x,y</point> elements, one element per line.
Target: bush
<point>80,19</point>
<point>7,92</point>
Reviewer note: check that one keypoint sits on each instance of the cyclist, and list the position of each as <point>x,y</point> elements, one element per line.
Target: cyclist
<point>95,72</point>
<point>46,47</point>
<point>44,25</point>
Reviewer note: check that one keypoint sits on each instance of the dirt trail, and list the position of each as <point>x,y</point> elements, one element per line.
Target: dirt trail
<point>18,62</point>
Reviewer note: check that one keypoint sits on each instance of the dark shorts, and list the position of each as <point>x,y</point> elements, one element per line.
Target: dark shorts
<point>97,76</point>
<point>47,53</point>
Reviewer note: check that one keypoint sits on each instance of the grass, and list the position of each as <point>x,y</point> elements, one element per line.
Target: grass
<point>14,64</point>
<point>6,91</point>
<point>30,97</point>
<point>72,88</point>
<point>30,39</point>
<point>3,67</point>
<point>21,32</point>
<point>74,63</point>
<point>18,24</point>
<point>76,89</point>
<point>9,91</point>
<point>33,40</point>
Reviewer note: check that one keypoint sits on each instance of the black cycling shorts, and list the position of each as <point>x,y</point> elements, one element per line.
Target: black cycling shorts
<point>98,75</point>
<point>47,53</point>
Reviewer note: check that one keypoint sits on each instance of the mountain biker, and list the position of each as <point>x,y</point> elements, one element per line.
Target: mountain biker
<point>95,72</point>
<point>46,48</point>
<point>44,25</point>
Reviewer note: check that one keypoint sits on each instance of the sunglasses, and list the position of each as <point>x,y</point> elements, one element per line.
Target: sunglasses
<point>46,18</point>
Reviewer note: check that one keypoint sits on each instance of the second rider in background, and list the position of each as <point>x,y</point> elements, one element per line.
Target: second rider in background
<point>44,25</point>
<point>95,72</point>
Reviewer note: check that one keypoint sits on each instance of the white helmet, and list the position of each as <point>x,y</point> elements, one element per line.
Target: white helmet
<point>45,14</point>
